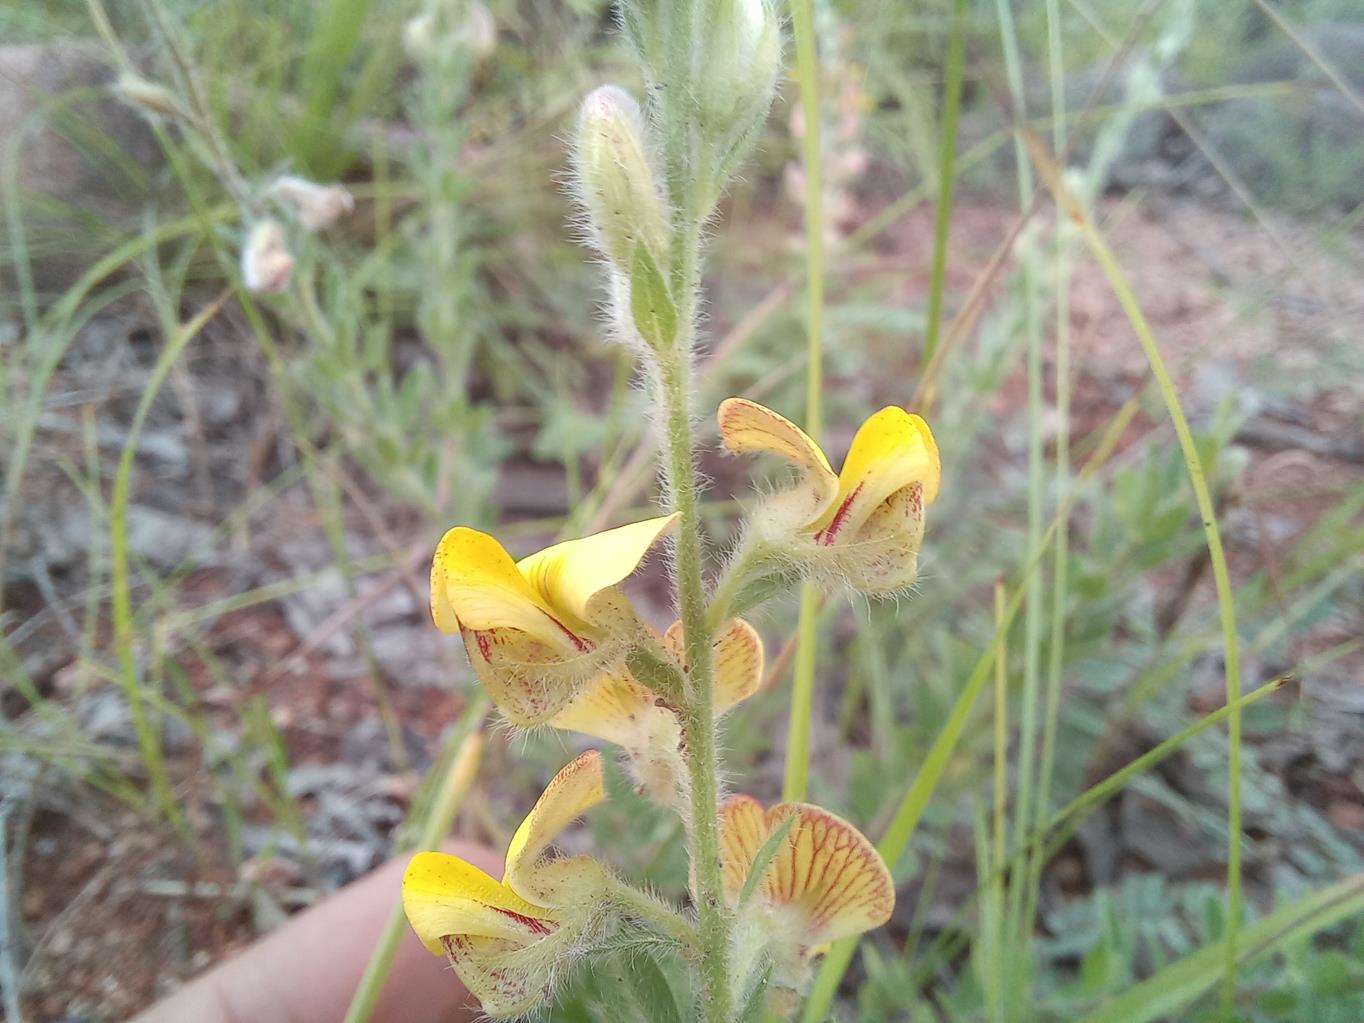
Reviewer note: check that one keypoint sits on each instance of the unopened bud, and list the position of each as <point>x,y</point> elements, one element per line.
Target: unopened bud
<point>419,36</point>
<point>618,185</point>
<point>743,58</point>
<point>445,27</point>
<point>316,206</point>
<point>152,98</point>
<point>266,262</point>
<point>481,30</point>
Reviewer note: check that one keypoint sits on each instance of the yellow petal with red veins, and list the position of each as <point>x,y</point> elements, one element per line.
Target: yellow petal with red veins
<point>569,574</point>
<point>825,870</point>
<point>830,872</point>
<point>476,585</point>
<point>612,708</point>
<point>738,661</point>
<point>743,830</point>
<point>574,790</point>
<point>443,895</point>
<point>890,451</point>
<point>746,426</point>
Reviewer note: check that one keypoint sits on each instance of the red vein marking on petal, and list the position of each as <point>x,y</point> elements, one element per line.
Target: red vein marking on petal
<point>484,645</point>
<point>531,923</point>
<point>829,533</point>
<point>583,645</point>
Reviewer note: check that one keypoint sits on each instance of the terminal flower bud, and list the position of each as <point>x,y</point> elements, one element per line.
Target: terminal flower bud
<point>617,708</point>
<point>506,939</point>
<point>743,56</point>
<point>448,28</point>
<point>539,630</point>
<point>266,262</point>
<point>861,526</point>
<point>616,181</point>
<point>316,206</point>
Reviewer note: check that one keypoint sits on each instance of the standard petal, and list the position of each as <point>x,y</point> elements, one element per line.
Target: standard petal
<point>743,829</point>
<point>574,790</point>
<point>612,708</point>
<point>830,873</point>
<point>476,585</point>
<point>738,659</point>
<point>890,451</point>
<point>443,895</point>
<point>746,426</point>
<point>569,574</point>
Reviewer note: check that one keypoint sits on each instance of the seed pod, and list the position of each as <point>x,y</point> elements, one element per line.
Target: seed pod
<point>616,179</point>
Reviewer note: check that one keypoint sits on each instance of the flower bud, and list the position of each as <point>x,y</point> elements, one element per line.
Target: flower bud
<point>445,27</point>
<point>616,180</point>
<point>266,262</point>
<point>149,96</point>
<point>316,206</point>
<point>743,57</point>
<point>481,31</point>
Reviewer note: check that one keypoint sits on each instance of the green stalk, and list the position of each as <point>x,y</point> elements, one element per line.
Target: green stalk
<point>1060,551</point>
<point>698,716</point>
<point>698,719</point>
<point>1000,824</point>
<point>465,747</point>
<point>1226,601</point>
<point>121,607</point>
<point>796,783</point>
<point>1019,920</point>
<point>956,60</point>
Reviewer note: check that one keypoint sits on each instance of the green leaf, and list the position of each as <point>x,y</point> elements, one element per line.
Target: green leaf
<point>1165,993</point>
<point>765,853</point>
<point>651,303</point>
<point>755,1008</point>
<point>652,991</point>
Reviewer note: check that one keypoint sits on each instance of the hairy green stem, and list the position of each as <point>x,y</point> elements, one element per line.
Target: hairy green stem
<point>647,908</point>
<point>698,718</point>
<point>698,715</point>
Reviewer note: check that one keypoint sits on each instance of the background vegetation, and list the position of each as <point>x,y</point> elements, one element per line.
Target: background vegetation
<point>222,691</point>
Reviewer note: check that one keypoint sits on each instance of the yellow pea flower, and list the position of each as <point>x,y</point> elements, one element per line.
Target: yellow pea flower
<point>537,630</point>
<point>506,938</point>
<point>862,525</point>
<point>825,882</point>
<point>617,708</point>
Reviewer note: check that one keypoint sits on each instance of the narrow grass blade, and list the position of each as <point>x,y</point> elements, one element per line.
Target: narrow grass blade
<point>956,62</point>
<point>1226,601</point>
<point>148,741</point>
<point>466,740</point>
<point>796,782</point>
